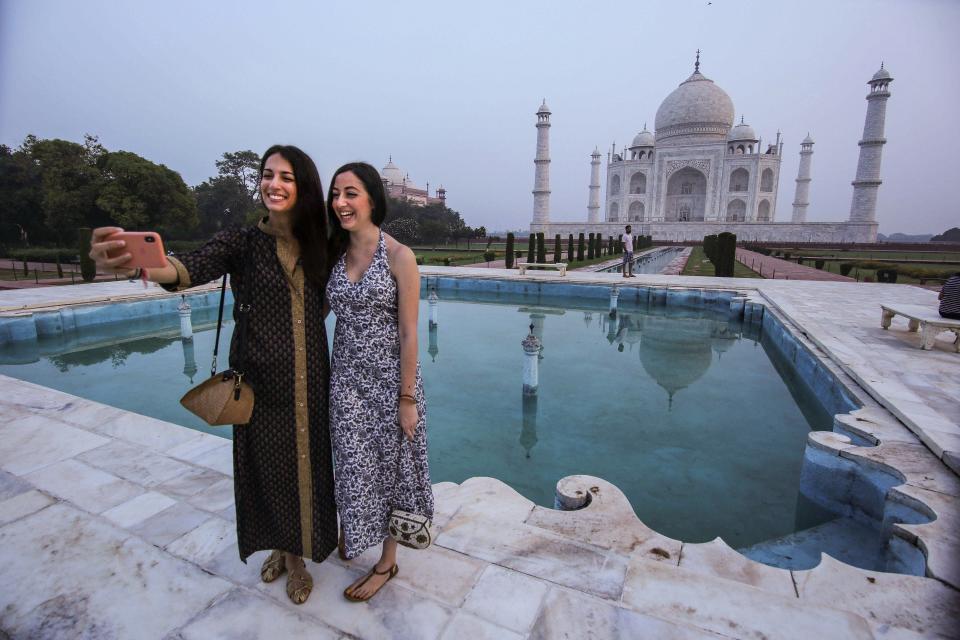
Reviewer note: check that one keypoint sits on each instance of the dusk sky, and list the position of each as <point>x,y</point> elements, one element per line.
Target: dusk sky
<point>450,90</point>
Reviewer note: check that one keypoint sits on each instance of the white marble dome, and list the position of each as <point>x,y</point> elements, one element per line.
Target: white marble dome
<point>392,173</point>
<point>698,107</point>
<point>882,74</point>
<point>742,132</point>
<point>643,139</point>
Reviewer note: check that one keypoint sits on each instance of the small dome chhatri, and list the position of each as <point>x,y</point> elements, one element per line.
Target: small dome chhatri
<point>643,139</point>
<point>742,132</point>
<point>882,74</point>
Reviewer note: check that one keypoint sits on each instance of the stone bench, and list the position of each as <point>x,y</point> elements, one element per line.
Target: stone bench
<point>922,318</point>
<point>562,266</point>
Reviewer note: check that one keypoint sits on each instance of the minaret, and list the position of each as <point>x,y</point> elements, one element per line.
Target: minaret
<point>541,180</point>
<point>593,204</point>
<point>863,208</point>
<point>802,198</point>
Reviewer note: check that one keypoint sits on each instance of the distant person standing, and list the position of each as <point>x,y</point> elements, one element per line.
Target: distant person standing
<point>950,298</point>
<point>628,252</point>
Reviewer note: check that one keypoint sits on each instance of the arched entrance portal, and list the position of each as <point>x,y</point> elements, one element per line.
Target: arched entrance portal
<point>686,196</point>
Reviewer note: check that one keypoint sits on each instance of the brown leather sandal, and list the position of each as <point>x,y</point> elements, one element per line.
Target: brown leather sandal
<point>299,584</point>
<point>391,573</point>
<point>273,567</point>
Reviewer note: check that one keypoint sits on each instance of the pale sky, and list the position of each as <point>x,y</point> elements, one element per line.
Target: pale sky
<point>451,91</point>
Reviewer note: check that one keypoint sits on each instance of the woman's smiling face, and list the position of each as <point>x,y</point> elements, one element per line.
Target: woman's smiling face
<point>278,185</point>
<point>351,202</point>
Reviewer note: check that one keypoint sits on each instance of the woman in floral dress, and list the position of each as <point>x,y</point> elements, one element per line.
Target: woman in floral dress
<point>377,409</point>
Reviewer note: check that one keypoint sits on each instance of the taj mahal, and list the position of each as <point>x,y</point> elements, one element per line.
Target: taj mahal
<point>698,173</point>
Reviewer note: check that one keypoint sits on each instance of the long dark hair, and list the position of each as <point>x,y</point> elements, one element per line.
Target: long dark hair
<point>309,221</point>
<point>373,183</point>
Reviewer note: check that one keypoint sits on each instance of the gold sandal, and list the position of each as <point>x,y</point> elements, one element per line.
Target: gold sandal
<point>390,573</point>
<point>273,567</point>
<point>299,584</point>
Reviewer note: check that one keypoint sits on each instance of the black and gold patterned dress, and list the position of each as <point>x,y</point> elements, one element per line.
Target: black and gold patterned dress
<point>377,469</point>
<point>283,476</point>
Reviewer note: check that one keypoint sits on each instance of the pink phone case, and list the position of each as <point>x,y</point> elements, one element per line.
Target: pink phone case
<point>145,247</point>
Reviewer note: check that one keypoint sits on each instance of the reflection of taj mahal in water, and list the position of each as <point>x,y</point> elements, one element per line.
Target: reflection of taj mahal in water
<point>698,174</point>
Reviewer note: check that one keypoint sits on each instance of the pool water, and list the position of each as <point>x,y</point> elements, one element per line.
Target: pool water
<point>683,411</point>
<point>649,262</point>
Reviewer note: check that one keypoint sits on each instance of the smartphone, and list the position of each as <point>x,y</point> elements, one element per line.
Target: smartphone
<point>145,247</point>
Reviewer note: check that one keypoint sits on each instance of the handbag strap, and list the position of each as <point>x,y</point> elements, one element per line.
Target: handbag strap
<point>216,342</point>
<point>243,308</point>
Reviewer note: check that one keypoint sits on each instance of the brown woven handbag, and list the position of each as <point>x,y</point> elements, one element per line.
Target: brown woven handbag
<point>223,398</point>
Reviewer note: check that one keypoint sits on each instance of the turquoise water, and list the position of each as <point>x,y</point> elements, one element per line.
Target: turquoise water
<point>680,410</point>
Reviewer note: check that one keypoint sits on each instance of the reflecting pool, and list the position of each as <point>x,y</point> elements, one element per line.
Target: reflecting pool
<point>684,411</point>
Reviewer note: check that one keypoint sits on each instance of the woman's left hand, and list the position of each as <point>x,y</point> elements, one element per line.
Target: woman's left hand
<point>408,418</point>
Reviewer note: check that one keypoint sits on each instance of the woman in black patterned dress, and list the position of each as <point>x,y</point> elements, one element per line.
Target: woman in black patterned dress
<point>283,474</point>
<point>377,410</point>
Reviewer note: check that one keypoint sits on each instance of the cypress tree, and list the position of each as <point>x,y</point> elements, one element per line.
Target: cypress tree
<point>590,247</point>
<point>541,250</point>
<point>557,249</point>
<point>580,248</point>
<point>570,248</point>
<point>532,248</point>
<point>725,249</point>
<point>509,258</point>
<point>88,268</point>
<point>610,246</point>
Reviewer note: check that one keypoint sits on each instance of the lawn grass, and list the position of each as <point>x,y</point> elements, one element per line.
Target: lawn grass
<point>699,265</point>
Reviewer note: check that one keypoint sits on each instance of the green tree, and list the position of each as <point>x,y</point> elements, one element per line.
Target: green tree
<point>21,199</point>
<point>70,182</point>
<point>244,168</point>
<point>221,204</point>
<point>138,194</point>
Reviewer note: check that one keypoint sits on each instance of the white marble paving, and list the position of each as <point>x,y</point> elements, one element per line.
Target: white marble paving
<point>136,510</point>
<point>170,524</point>
<point>216,497</point>
<point>190,449</point>
<point>34,442</point>
<point>465,625</point>
<point>714,604</point>
<point>883,599</point>
<point>219,459</point>
<point>203,544</point>
<point>508,598</point>
<point>67,575</point>
<point>23,504</point>
<point>144,431</point>
<point>717,559</point>
<point>88,488</point>
<point>243,614</point>
<point>134,463</point>
<point>568,615</point>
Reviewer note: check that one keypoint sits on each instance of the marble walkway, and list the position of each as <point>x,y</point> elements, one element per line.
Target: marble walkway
<point>115,525</point>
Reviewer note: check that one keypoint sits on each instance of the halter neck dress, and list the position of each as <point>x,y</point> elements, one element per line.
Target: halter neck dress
<point>376,469</point>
